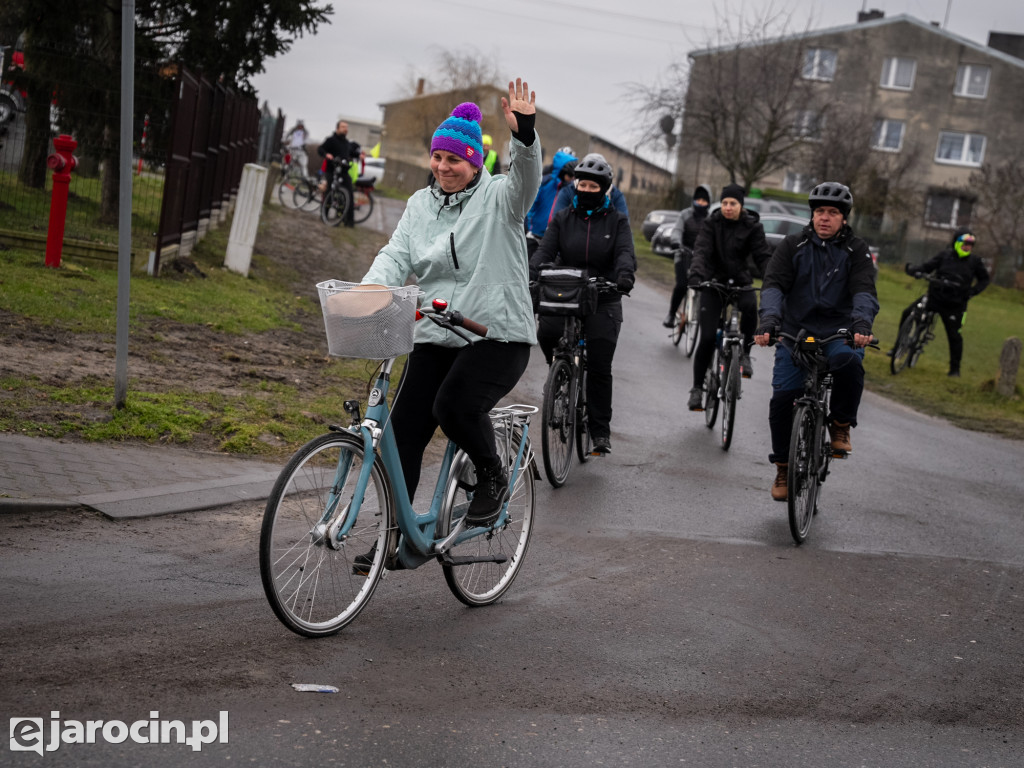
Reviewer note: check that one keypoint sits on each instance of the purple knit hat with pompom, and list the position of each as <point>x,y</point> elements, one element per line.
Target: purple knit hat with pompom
<point>460,134</point>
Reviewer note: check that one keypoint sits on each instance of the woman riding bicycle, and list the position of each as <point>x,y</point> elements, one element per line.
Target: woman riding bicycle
<point>820,281</point>
<point>730,236</point>
<point>591,235</point>
<point>463,239</point>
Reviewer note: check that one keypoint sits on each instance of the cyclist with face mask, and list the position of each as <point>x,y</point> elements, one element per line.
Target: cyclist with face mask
<point>959,265</point>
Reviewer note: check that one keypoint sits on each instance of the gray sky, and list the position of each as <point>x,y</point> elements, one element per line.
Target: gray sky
<point>580,56</point>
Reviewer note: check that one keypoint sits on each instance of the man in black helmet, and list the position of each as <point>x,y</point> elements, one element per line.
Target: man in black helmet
<point>819,280</point>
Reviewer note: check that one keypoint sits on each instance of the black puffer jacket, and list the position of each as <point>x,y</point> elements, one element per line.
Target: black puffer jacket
<point>724,249</point>
<point>968,272</point>
<point>601,243</point>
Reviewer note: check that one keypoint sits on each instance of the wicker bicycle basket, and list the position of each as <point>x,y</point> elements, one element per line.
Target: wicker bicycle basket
<point>368,321</point>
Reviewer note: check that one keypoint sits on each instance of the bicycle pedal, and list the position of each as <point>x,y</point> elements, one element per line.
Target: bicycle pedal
<point>840,454</point>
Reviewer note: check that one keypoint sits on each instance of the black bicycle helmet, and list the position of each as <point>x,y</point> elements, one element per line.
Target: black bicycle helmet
<point>831,193</point>
<point>568,168</point>
<point>595,168</point>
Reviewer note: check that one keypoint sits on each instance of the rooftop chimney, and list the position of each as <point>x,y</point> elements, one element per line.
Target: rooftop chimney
<point>1007,42</point>
<point>871,15</point>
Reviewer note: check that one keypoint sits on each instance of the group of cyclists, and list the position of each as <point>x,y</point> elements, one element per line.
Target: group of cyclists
<point>477,239</point>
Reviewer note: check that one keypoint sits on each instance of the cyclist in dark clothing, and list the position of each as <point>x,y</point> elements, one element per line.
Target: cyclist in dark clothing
<point>820,280</point>
<point>730,237</point>
<point>957,264</point>
<point>591,235</point>
<point>683,237</point>
<point>338,145</point>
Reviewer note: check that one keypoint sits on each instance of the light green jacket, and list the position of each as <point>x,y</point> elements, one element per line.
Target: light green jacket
<point>469,248</point>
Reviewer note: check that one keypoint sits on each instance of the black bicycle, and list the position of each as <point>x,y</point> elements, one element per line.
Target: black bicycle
<point>810,447</point>
<point>917,330</point>
<point>722,380</point>
<point>564,420</point>
<point>336,199</point>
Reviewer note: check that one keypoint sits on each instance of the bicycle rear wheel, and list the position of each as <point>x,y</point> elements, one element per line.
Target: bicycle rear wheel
<point>481,569</point>
<point>924,334</point>
<point>730,394</point>
<point>711,392</point>
<point>307,574</point>
<point>558,421</point>
<point>692,321</point>
<point>584,445</point>
<point>362,199</point>
<point>332,209</point>
<point>804,477</point>
<point>906,341</point>
<point>307,196</point>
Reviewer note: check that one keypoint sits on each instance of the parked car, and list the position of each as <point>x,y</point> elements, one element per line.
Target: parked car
<point>660,243</point>
<point>655,219</point>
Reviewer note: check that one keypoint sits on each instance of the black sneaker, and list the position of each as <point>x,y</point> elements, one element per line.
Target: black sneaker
<point>490,494</point>
<point>361,564</point>
<point>670,321</point>
<point>602,445</point>
<point>696,402</point>
<point>746,366</point>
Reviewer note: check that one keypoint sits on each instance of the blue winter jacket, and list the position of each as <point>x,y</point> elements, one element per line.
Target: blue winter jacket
<point>542,210</point>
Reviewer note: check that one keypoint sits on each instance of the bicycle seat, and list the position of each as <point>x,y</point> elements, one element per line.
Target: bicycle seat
<point>365,182</point>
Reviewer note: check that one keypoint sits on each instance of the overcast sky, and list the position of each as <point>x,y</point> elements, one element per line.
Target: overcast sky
<point>580,56</point>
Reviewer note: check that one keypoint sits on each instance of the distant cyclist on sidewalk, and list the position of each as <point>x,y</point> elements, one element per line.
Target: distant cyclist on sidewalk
<point>339,146</point>
<point>593,236</point>
<point>731,237</point>
<point>819,280</point>
<point>959,265</point>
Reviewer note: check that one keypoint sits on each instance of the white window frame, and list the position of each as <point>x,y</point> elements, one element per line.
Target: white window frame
<point>963,80</point>
<point>809,125</point>
<point>814,64</point>
<point>881,130</point>
<point>954,221</point>
<point>798,182</point>
<point>890,68</point>
<point>967,139</point>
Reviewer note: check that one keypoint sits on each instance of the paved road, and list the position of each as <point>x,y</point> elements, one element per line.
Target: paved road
<point>663,616</point>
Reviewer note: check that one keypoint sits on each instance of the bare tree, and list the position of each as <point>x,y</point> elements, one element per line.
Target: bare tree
<point>999,213</point>
<point>741,97</point>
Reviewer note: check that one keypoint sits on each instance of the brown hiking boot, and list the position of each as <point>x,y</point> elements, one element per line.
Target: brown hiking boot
<point>840,434</point>
<point>780,488</point>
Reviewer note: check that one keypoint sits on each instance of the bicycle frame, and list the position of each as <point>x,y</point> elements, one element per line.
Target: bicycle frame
<point>416,528</point>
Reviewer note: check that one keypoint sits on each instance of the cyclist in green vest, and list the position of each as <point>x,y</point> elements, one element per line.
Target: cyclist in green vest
<point>491,161</point>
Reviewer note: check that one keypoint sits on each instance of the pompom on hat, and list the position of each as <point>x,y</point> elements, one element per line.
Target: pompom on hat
<point>460,134</point>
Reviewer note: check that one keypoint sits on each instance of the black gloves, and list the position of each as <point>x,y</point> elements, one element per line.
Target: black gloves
<point>693,281</point>
<point>624,283</point>
<point>863,327</point>
<point>913,271</point>
<point>769,325</point>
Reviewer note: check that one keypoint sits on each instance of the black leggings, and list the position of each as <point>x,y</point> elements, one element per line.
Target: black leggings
<point>454,388</point>
<point>681,267</point>
<point>710,312</point>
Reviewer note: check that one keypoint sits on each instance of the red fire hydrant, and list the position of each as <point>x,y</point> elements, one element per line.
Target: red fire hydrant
<point>62,163</point>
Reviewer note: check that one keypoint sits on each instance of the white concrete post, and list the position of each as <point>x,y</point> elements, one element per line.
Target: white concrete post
<point>247,218</point>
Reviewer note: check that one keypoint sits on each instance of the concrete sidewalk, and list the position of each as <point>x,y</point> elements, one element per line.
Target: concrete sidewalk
<point>123,481</point>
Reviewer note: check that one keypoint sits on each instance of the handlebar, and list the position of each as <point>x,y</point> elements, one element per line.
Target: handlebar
<point>842,333</point>
<point>451,319</point>
<point>726,287</point>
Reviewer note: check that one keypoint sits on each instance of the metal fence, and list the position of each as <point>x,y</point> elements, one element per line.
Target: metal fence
<point>190,140</point>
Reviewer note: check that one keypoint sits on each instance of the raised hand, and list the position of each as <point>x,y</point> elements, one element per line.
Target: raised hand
<point>520,99</point>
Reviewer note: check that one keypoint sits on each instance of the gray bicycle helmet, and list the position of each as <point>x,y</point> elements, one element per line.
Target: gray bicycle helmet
<point>831,193</point>
<point>595,168</point>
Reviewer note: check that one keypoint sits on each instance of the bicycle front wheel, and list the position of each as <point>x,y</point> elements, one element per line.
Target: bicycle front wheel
<point>906,340</point>
<point>481,569</point>
<point>584,445</point>
<point>924,333</point>
<point>286,190</point>
<point>307,197</point>
<point>558,422</point>
<point>692,321</point>
<point>362,199</point>
<point>804,459</point>
<point>315,583</point>
<point>332,209</point>
<point>730,394</point>
<point>711,383</point>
